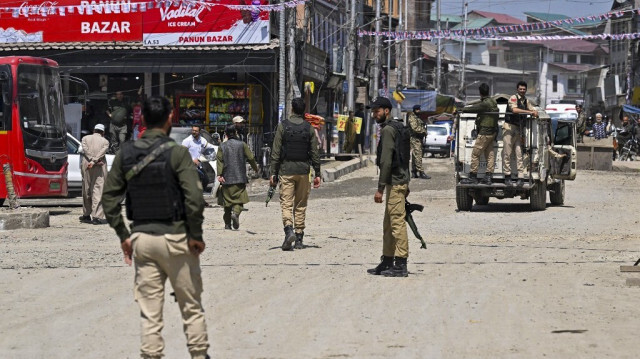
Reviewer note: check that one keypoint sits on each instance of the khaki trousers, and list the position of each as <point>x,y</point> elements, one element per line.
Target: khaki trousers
<point>156,258</point>
<point>92,185</point>
<point>511,139</point>
<point>294,193</point>
<point>483,146</point>
<point>395,242</point>
<point>416,154</point>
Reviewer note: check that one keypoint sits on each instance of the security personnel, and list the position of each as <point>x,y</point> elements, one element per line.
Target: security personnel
<point>231,158</point>
<point>417,136</point>
<point>511,133</point>
<point>393,160</point>
<point>94,173</point>
<point>487,126</point>
<point>165,204</point>
<point>581,123</point>
<point>295,150</point>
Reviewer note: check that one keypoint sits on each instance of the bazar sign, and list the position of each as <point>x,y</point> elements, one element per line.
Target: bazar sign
<point>155,23</point>
<point>201,23</point>
<point>72,20</point>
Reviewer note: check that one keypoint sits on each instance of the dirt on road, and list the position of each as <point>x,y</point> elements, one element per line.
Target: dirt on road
<point>499,281</point>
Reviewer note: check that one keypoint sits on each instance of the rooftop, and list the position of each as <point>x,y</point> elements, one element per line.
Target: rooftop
<point>500,19</point>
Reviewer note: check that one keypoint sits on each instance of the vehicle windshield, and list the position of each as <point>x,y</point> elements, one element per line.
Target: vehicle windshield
<point>439,131</point>
<point>40,105</point>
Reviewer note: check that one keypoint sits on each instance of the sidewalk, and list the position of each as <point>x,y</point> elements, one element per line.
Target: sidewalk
<point>333,169</point>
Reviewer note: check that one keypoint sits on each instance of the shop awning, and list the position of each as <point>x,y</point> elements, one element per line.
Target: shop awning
<point>631,109</point>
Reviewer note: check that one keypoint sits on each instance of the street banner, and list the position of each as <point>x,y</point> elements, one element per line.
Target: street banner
<point>200,23</point>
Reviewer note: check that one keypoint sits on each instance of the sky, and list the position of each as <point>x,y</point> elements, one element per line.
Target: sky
<point>516,8</point>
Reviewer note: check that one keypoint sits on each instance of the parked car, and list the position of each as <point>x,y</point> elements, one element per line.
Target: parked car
<point>437,140</point>
<point>208,158</point>
<point>74,171</point>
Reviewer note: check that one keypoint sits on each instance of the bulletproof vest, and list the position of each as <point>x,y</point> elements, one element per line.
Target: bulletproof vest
<point>402,146</point>
<point>514,119</point>
<point>296,141</point>
<point>235,171</point>
<point>154,194</point>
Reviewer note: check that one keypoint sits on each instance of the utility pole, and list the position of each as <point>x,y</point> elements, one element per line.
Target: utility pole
<point>464,52</point>
<point>282,113</point>
<point>376,56</point>
<point>389,46</point>
<point>399,47</point>
<point>439,51</point>
<point>352,57</point>
<point>407,72</point>
<point>294,90</point>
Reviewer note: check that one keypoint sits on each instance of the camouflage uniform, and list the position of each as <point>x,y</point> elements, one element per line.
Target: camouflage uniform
<point>417,134</point>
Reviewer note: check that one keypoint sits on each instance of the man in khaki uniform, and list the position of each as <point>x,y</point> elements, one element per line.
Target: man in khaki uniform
<point>417,136</point>
<point>487,126</point>
<point>511,133</point>
<point>581,123</point>
<point>394,178</point>
<point>295,150</point>
<point>165,204</point>
<point>94,173</point>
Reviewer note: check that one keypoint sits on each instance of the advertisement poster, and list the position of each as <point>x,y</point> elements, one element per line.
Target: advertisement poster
<point>204,24</point>
<point>155,23</point>
<point>342,123</point>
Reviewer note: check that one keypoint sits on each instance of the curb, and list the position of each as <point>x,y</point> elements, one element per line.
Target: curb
<point>23,218</point>
<point>332,174</point>
<point>623,168</point>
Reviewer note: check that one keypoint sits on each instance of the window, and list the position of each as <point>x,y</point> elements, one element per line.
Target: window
<point>555,83</point>
<point>572,59</point>
<point>574,85</point>
<point>467,56</point>
<point>558,58</point>
<point>587,59</point>
<point>493,59</point>
<point>5,100</point>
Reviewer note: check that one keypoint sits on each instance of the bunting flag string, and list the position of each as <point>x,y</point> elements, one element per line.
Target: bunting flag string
<point>479,33</point>
<point>422,35</point>
<point>128,6</point>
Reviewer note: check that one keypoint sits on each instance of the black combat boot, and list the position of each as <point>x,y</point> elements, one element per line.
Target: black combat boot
<point>227,218</point>
<point>473,179</point>
<point>423,175</point>
<point>385,263</point>
<point>399,269</point>
<point>519,182</point>
<point>298,244</point>
<point>414,174</point>
<point>235,220</point>
<point>507,181</point>
<point>486,179</point>
<point>289,238</point>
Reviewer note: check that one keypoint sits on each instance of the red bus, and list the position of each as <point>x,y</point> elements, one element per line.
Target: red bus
<point>32,127</point>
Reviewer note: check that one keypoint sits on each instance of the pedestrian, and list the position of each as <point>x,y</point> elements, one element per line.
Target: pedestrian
<point>487,127</point>
<point>581,122</point>
<point>519,106</point>
<point>165,204</point>
<point>418,133</point>
<point>294,152</point>
<point>232,174</point>
<point>392,157</point>
<point>239,124</point>
<point>599,128</point>
<point>196,144</point>
<point>119,114</point>
<point>94,173</point>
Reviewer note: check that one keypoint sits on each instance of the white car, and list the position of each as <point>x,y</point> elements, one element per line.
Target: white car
<point>74,171</point>
<point>438,140</point>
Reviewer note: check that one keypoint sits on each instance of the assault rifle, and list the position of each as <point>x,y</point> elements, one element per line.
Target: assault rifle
<point>272,190</point>
<point>408,207</point>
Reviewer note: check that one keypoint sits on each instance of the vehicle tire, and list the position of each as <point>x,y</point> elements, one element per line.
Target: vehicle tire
<point>1,201</point>
<point>538,196</point>
<point>482,200</point>
<point>464,199</point>
<point>556,193</point>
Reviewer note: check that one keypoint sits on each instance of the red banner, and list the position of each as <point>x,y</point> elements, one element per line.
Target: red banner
<point>155,23</point>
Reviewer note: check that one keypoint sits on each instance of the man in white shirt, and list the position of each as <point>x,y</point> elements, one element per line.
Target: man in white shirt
<point>195,143</point>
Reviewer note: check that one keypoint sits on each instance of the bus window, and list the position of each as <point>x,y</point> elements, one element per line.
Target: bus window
<point>5,100</point>
<point>40,103</point>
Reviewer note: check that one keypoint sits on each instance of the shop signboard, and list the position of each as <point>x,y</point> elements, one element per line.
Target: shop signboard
<point>156,23</point>
<point>70,20</point>
<point>201,23</point>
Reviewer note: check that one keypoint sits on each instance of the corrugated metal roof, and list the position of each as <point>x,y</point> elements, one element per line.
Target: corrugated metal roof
<point>431,51</point>
<point>574,67</point>
<point>501,19</point>
<point>542,16</point>
<point>568,45</point>
<point>495,70</point>
<point>474,24</point>
<point>130,45</point>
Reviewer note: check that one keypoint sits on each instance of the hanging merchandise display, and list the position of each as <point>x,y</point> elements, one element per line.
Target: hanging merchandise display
<point>225,101</point>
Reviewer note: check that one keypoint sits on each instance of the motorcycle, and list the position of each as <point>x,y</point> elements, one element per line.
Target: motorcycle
<point>206,170</point>
<point>630,150</point>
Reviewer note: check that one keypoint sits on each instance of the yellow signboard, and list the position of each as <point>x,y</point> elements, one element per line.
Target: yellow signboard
<point>342,123</point>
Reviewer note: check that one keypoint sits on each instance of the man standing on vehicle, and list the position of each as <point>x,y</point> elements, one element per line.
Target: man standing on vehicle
<point>196,144</point>
<point>165,204</point>
<point>581,122</point>
<point>519,106</point>
<point>487,127</point>
<point>232,157</point>
<point>295,150</point>
<point>417,137</point>
<point>94,173</point>
<point>392,157</point>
